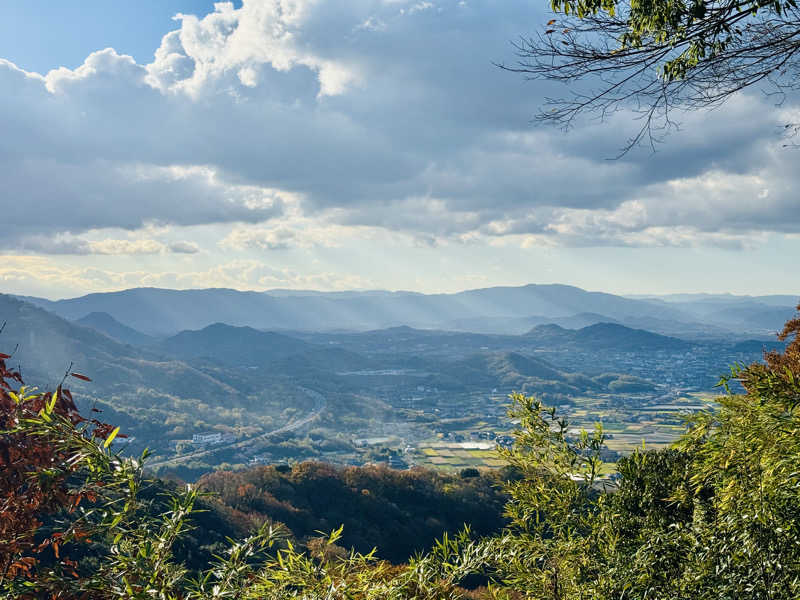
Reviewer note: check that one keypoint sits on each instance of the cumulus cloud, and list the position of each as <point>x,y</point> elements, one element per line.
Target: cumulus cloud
<point>244,41</point>
<point>262,239</point>
<point>71,245</point>
<point>16,270</point>
<point>361,116</point>
<point>300,233</point>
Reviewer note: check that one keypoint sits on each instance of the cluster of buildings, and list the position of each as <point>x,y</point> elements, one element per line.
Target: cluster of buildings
<point>212,439</point>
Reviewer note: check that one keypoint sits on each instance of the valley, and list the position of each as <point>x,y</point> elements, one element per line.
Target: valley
<point>230,396</point>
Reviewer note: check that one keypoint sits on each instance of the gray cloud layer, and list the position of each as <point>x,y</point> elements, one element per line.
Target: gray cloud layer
<point>365,112</point>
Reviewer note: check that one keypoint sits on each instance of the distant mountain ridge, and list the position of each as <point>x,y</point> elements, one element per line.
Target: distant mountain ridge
<point>163,312</point>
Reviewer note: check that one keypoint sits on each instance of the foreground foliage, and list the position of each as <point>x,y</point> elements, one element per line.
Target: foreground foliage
<point>715,516</point>
<point>660,57</point>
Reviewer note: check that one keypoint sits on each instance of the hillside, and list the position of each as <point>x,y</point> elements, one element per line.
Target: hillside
<point>160,311</point>
<point>105,323</point>
<point>239,346</point>
<point>758,314</point>
<point>401,512</point>
<point>154,397</point>
<point>309,395</point>
<point>511,370</point>
<point>46,345</point>
<point>604,336</point>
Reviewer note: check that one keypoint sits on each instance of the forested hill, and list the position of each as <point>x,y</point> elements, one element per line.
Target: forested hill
<point>107,324</point>
<point>401,513</point>
<point>398,512</point>
<point>240,346</point>
<point>45,345</point>
<point>602,336</point>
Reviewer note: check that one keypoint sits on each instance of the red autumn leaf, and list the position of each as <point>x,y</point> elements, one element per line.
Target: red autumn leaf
<point>81,377</point>
<point>4,356</point>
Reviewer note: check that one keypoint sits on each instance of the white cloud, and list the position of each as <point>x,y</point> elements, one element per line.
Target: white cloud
<point>279,238</point>
<point>20,271</point>
<point>115,247</point>
<point>243,40</point>
<point>307,124</point>
<point>68,244</point>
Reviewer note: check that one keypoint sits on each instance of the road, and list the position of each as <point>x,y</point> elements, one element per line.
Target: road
<point>320,403</point>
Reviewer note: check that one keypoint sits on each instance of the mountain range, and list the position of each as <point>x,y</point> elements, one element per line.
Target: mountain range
<point>510,310</point>
<point>163,388</point>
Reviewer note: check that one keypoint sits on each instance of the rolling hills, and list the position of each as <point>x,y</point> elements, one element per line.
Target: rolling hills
<point>166,312</point>
<point>508,310</point>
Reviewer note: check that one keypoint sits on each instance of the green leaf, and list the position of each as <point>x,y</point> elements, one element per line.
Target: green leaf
<point>52,404</point>
<point>111,438</point>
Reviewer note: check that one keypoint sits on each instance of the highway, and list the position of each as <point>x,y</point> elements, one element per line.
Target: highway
<point>320,403</point>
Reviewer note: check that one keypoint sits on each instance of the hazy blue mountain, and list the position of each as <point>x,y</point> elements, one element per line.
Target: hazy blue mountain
<point>239,346</point>
<point>754,314</point>
<point>557,301</point>
<point>756,346</point>
<point>45,345</point>
<point>531,375</point>
<point>604,336</point>
<point>772,300</point>
<point>519,325</point>
<point>158,311</point>
<point>502,310</point>
<point>105,323</point>
<point>763,316</point>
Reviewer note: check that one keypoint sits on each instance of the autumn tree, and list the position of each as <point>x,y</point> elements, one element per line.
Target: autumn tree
<point>37,471</point>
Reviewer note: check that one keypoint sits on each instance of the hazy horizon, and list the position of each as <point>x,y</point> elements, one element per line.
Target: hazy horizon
<point>290,291</point>
<point>313,145</point>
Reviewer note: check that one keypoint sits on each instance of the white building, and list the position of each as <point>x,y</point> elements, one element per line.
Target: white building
<point>207,438</point>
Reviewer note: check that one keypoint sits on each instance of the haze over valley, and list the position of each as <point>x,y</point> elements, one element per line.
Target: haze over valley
<point>215,378</point>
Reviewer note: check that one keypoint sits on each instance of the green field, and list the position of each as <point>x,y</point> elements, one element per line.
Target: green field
<point>628,428</point>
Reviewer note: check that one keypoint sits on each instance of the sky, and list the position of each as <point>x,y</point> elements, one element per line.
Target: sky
<point>357,144</point>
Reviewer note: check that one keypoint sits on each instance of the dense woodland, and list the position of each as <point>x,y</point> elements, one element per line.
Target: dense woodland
<point>714,516</point>
<point>400,513</point>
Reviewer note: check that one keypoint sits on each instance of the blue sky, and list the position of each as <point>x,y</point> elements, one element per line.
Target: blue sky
<point>356,144</point>
<point>39,35</point>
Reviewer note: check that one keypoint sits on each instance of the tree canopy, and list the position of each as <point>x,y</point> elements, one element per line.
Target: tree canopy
<point>655,56</point>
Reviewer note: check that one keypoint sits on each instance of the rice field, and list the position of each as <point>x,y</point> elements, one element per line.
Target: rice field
<point>628,428</point>
<point>458,455</point>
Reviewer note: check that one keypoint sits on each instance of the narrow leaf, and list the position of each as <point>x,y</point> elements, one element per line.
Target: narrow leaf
<point>111,437</point>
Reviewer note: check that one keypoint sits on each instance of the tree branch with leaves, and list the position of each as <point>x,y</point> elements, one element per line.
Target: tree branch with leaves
<point>657,57</point>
